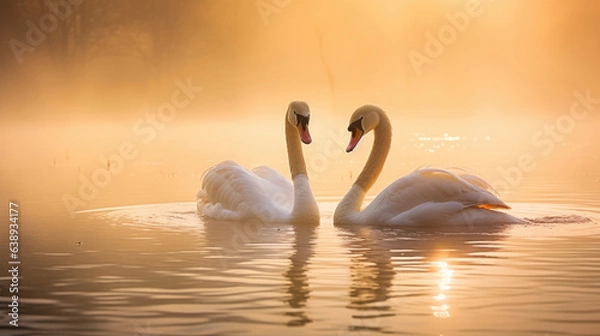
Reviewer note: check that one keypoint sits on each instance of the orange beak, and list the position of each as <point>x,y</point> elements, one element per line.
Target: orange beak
<point>304,133</point>
<point>356,136</point>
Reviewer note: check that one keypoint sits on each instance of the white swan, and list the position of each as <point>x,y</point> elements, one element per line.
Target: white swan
<point>231,192</point>
<point>426,196</point>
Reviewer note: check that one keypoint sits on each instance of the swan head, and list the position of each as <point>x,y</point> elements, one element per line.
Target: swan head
<point>298,115</point>
<point>362,121</point>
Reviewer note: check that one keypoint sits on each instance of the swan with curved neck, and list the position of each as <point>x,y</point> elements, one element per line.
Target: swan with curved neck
<point>424,197</point>
<point>231,192</point>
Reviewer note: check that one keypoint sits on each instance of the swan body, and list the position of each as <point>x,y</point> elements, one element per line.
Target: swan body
<point>231,192</point>
<point>427,196</point>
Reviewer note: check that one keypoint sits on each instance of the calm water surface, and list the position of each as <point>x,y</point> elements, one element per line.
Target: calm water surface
<point>161,270</point>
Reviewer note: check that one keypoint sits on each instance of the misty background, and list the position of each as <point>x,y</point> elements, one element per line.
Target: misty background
<point>70,101</point>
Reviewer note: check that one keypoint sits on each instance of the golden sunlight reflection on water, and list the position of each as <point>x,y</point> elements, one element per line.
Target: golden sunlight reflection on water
<point>441,308</point>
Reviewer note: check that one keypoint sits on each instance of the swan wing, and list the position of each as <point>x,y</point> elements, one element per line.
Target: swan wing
<point>276,185</point>
<point>232,192</point>
<point>431,194</point>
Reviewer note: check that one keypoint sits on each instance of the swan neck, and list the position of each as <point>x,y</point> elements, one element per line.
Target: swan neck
<point>348,210</point>
<point>294,149</point>
<point>379,153</point>
<point>305,209</point>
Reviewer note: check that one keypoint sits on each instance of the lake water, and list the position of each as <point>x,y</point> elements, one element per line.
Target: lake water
<point>158,269</point>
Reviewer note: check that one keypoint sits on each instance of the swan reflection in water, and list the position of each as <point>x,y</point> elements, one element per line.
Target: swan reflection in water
<point>372,274</point>
<point>380,288</point>
<point>296,274</point>
<point>233,240</point>
<point>393,272</point>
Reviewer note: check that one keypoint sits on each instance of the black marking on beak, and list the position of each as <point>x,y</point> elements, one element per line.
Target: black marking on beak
<point>302,120</point>
<point>356,125</point>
